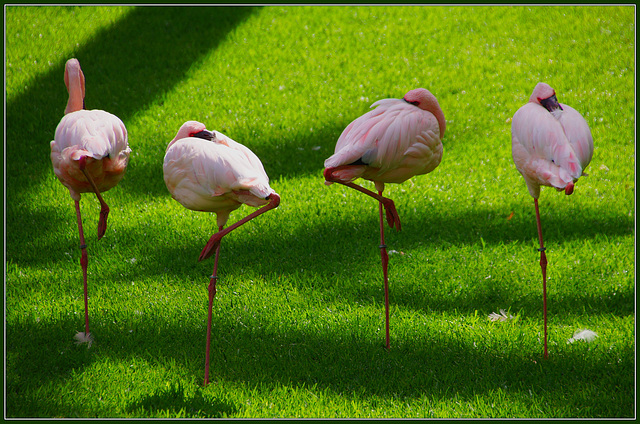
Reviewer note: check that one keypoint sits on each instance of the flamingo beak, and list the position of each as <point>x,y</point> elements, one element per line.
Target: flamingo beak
<point>415,103</point>
<point>551,103</point>
<point>206,135</point>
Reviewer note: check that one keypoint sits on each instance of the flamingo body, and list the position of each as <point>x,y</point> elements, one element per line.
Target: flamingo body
<point>550,148</point>
<point>391,143</point>
<point>100,137</point>
<point>216,175</point>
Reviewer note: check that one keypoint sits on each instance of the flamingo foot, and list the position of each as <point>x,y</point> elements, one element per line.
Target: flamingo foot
<point>568,189</point>
<point>211,246</point>
<point>102,222</point>
<point>391,213</point>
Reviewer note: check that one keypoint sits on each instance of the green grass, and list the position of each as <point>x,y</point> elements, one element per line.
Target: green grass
<point>298,324</point>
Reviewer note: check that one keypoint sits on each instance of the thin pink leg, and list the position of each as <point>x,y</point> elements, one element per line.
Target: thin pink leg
<point>215,239</point>
<point>390,208</point>
<point>212,293</point>
<point>104,209</point>
<point>543,266</point>
<point>385,262</point>
<point>84,261</point>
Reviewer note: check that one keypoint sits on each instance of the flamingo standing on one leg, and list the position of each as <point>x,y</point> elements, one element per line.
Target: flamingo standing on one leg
<point>209,172</point>
<point>400,138</point>
<point>551,145</point>
<point>90,153</point>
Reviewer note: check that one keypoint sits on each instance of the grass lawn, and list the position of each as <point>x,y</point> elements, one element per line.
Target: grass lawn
<point>298,327</point>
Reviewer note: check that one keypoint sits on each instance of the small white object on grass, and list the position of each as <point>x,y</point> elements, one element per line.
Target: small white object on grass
<point>502,316</point>
<point>82,337</point>
<point>586,335</point>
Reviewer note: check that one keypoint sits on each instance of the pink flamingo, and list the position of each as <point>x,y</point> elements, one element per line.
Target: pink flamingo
<point>398,139</point>
<point>90,153</point>
<point>209,172</point>
<point>551,145</point>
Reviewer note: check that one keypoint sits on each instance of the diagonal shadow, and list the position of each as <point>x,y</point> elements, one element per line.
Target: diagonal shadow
<point>127,66</point>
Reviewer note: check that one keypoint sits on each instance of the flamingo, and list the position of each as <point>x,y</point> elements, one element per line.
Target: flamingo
<point>209,172</point>
<point>90,153</point>
<point>551,146</point>
<point>397,140</point>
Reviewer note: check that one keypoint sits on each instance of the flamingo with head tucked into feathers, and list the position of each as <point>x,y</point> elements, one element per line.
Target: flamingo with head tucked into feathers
<point>397,140</point>
<point>551,146</point>
<point>89,153</point>
<point>209,172</point>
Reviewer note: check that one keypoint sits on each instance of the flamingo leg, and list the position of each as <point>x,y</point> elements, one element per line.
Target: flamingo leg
<point>104,209</point>
<point>84,261</point>
<point>215,239</point>
<point>212,293</point>
<point>390,208</point>
<point>385,262</point>
<point>543,266</point>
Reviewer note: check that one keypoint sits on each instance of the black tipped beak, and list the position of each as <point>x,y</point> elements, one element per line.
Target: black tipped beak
<point>551,103</point>
<point>411,103</point>
<point>204,134</point>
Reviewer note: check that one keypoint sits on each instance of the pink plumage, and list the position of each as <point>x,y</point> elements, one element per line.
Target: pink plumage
<point>398,139</point>
<point>213,175</point>
<point>98,136</point>
<point>89,153</point>
<point>207,171</point>
<point>551,146</point>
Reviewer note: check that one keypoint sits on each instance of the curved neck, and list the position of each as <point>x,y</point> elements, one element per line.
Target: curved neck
<point>439,114</point>
<point>75,87</point>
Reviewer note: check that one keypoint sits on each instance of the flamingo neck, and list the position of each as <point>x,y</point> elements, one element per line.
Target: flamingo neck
<point>430,104</point>
<point>435,109</point>
<point>441,121</point>
<point>76,93</point>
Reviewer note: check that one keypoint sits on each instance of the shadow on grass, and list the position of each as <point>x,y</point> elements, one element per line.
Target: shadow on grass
<point>351,252</point>
<point>172,403</point>
<point>127,65</point>
<point>434,367</point>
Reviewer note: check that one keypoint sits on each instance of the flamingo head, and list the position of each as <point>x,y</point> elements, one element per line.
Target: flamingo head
<point>193,129</point>
<point>545,96</point>
<point>422,98</point>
